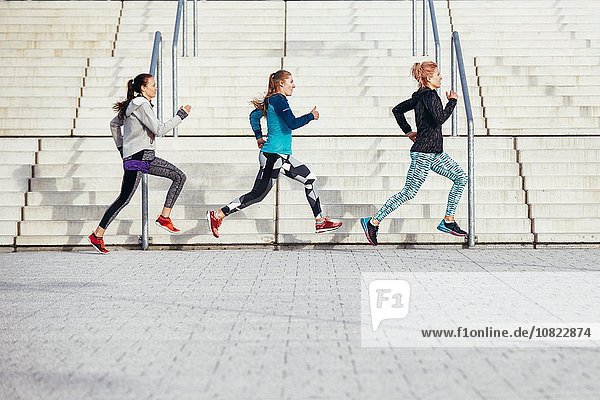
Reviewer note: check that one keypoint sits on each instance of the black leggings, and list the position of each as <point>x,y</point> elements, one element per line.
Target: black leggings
<point>270,164</point>
<point>131,180</point>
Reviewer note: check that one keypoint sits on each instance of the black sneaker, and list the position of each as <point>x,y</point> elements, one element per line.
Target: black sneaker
<point>451,228</point>
<point>370,230</point>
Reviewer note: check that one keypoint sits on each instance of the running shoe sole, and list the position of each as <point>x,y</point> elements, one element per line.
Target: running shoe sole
<point>365,225</point>
<point>167,229</point>
<point>328,229</point>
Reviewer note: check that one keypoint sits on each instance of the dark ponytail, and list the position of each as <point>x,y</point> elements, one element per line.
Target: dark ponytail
<point>133,86</point>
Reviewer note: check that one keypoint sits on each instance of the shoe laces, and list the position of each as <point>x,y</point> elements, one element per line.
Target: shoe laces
<point>454,226</point>
<point>325,220</point>
<point>451,224</point>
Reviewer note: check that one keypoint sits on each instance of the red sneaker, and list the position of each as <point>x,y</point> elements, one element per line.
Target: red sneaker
<point>327,225</point>
<point>167,225</point>
<point>213,222</point>
<point>98,243</point>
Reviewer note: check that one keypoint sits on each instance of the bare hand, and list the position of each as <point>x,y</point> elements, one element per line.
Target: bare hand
<point>187,108</point>
<point>260,142</point>
<point>451,95</point>
<point>412,136</point>
<point>314,112</point>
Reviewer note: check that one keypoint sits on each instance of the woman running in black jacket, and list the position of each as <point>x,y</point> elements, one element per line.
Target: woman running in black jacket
<point>427,153</point>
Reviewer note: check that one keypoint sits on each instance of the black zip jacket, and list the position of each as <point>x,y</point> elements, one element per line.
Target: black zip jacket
<point>429,115</point>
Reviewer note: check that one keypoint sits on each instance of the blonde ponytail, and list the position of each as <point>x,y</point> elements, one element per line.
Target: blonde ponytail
<point>422,71</point>
<point>274,79</point>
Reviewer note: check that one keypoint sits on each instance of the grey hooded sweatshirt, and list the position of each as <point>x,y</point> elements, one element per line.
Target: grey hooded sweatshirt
<point>140,127</point>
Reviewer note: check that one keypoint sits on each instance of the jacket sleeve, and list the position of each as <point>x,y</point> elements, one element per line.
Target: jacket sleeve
<point>255,117</point>
<point>149,120</point>
<point>115,128</point>
<point>282,108</point>
<point>433,105</point>
<point>399,112</point>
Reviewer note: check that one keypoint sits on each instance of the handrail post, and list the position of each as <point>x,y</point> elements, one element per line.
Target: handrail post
<point>425,44</point>
<point>156,71</point>
<point>159,80</point>
<point>453,86</point>
<point>414,27</point>
<point>184,28</point>
<point>471,182</point>
<point>195,28</point>
<point>471,136</point>
<point>145,236</point>
<point>436,35</point>
<point>174,58</point>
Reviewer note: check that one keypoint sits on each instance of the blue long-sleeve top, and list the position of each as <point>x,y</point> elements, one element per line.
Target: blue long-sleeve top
<point>280,123</point>
<point>255,117</point>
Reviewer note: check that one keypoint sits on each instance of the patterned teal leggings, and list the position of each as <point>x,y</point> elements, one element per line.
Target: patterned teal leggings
<point>420,164</point>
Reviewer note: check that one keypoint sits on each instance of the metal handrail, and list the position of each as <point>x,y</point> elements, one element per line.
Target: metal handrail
<point>424,30</point>
<point>184,29</point>
<point>180,4</point>
<point>181,15</point>
<point>195,28</point>
<point>436,33</point>
<point>434,27</point>
<point>457,58</point>
<point>156,71</point>
<point>414,27</point>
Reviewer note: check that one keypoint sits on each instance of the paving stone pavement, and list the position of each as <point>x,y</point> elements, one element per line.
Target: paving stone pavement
<point>255,324</point>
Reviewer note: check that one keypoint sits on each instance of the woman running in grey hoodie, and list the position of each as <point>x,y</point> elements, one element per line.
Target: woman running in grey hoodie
<point>134,130</point>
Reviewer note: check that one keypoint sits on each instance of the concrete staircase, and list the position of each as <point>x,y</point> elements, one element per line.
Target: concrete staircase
<point>361,173</point>
<point>537,64</point>
<point>17,157</point>
<point>44,49</point>
<point>352,60</point>
<point>76,179</point>
<point>219,84</point>
<point>561,178</point>
<point>68,195</point>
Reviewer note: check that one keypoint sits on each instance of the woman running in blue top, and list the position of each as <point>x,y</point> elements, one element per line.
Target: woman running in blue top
<point>276,154</point>
<point>427,152</point>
